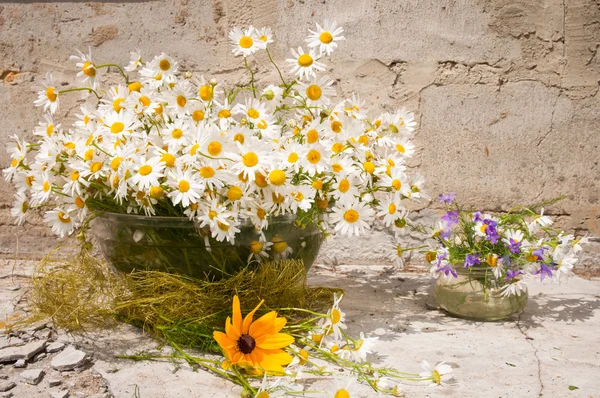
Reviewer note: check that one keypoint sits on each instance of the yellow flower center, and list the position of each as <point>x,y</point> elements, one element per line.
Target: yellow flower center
<point>292,158</point>
<point>88,69</point>
<point>239,138</point>
<point>250,159</point>
<point>117,127</point>
<point>159,109</point>
<point>164,65</point>
<point>214,148</point>
<point>256,246</point>
<point>46,186</point>
<point>156,192</point>
<point>260,180</point>
<point>95,167</point>
<point>277,177</point>
<point>234,193</point>
<point>279,245</point>
<point>260,213</point>
<point>335,316</point>
<point>145,170</point>
<point>135,86</point>
<point>363,139</point>
<point>184,186</point>
<point>64,217</point>
<point>206,93</point>
<point>169,159</point>
<point>115,163</point>
<point>305,60</point>
<point>392,208</point>
<point>396,184</point>
<point>400,148</point>
<point>337,167</point>
<point>117,104</point>
<point>197,115</point>
<point>317,338</point>
<point>393,128</point>
<point>79,202</point>
<point>246,42</point>
<point>224,113</point>
<point>298,196</point>
<point>492,260</point>
<point>313,92</point>
<point>351,216</point>
<point>253,113</point>
<point>181,101</point>
<point>222,226</point>
<point>177,133</point>
<point>212,214</point>
<point>50,94</point>
<point>89,154</point>
<point>312,136</point>
<point>49,130</point>
<point>14,163</point>
<point>341,393</point>
<point>326,37</point>
<point>436,377</point>
<point>369,167</point>
<point>262,124</point>
<point>194,149</point>
<point>207,172</point>
<point>74,175</point>
<point>29,180</point>
<point>344,185</point>
<point>336,126</point>
<point>313,156</point>
<point>337,147</point>
<point>317,184</point>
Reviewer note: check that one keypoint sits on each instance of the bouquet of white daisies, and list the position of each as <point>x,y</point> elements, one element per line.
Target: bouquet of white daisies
<point>166,143</point>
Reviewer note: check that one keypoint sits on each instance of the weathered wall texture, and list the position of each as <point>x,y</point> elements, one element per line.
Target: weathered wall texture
<point>506,91</point>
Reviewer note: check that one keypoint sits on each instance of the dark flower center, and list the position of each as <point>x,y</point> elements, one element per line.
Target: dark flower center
<point>246,343</point>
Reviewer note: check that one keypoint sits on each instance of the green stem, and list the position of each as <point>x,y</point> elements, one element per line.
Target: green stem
<point>80,89</point>
<point>251,75</point>
<point>276,67</point>
<point>116,66</point>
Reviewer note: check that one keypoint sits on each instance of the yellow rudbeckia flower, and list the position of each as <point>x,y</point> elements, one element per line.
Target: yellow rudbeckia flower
<point>257,344</point>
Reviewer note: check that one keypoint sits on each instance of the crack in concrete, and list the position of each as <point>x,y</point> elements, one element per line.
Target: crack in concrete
<point>535,353</point>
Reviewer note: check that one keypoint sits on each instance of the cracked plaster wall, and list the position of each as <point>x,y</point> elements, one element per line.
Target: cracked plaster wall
<point>506,91</point>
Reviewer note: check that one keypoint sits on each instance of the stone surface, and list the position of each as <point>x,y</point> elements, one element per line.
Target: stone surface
<point>27,351</point>
<point>54,382</point>
<point>32,376</point>
<point>69,359</point>
<point>7,385</point>
<point>506,92</point>
<point>59,394</point>
<point>20,363</point>
<point>55,347</point>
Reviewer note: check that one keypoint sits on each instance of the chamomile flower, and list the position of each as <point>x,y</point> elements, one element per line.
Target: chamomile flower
<point>176,134</point>
<point>246,42</point>
<point>251,158</point>
<point>325,37</point>
<point>304,64</point>
<point>273,96</point>
<point>439,375</point>
<point>343,386</point>
<point>48,95</point>
<point>352,218</point>
<point>225,230</point>
<point>60,221</point>
<point>359,349</point>
<point>317,91</point>
<point>185,188</point>
<point>135,61</point>
<point>391,210</point>
<point>315,159</point>
<point>539,222</point>
<point>265,34</point>
<point>47,127</point>
<point>345,189</point>
<point>87,68</point>
<point>20,208</point>
<point>147,174</point>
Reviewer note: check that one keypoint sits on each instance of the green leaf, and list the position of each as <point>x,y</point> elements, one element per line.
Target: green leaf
<point>573,388</point>
<point>511,364</point>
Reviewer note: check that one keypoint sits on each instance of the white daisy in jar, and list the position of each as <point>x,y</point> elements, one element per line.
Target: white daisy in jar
<point>147,173</point>
<point>118,125</point>
<point>210,177</point>
<point>48,95</point>
<point>317,91</point>
<point>272,96</point>
<point>352,218</point>
<point>391,210</point>
<point>47,127</point>
<point>135,61</point>
<point>60,221</point>
<point>178,98</point>
<point>259,250</point>
<point>303,196</point>
<point>280,250</point>
<point>325,37</point>
<point>20,208</point>
<point>315,160</point>
<point>176,134</point>
<point>290,156</point>
<point>87,68</point>
<point>397,182</point>
<point>304,64</point>
<point>114,100</point>
<point>185,188</point>
<point>246,42</point>
<point>226,230</point>
<point>41,188</point>
<point>250,158</point>
<point>345,188</point>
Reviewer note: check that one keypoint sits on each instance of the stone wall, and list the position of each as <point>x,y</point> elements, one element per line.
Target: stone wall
<point>506,91</point>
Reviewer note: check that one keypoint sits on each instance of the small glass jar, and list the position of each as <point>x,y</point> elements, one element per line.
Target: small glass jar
<point>475,295</point>
<point>178,245</point>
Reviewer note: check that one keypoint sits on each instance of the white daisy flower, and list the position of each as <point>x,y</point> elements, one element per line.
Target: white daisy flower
<point>304,64</point>
<point>60,221</point>
<point>265,34</point>
<point>439,375</point>
<point>352,218</point>
<point>48,95</point>
<point>315,159</point>
<point>135,61</point>
<point>148,173</point>
<point>20,207</point>
<point>317,91</point>
<point>185,188</point>
<point>343,386</point>
<point>246,41</point>
<point>358,351</point>
<point>87,68</point>
<point>325,37</point>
